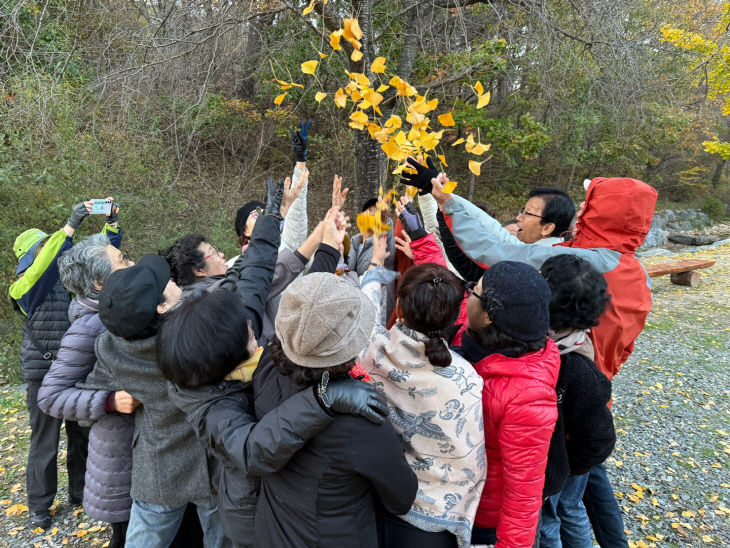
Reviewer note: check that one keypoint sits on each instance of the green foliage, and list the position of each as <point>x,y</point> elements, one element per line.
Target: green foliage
<point>714,208</point>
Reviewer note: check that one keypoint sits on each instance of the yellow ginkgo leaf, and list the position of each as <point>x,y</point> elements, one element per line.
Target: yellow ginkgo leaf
<point>356,55</point>
<point>283,85</point>
<point>442,159</point>
<point>340,98</point>
<point>359,117</point>
<point>446,120</point>
<point>394,122</point>
<point>280,98</point>
<point>389,148</point>
<point>309,67</point>
<point>411,191</point>
<point>310,8</point>
<point>359,78</point>
<point>475,167</point>
<point>378,65</point>
<point>480,149</point>
<point>319,96</point>
<point>335,39</point>
<point>457,142</point>
<point>479,88</point>
<point>352,29</point>
<point>483,100</point>
<point>382,88</point>
<point>450,186</point>
<point>322,55</point>
<point>372,97</point>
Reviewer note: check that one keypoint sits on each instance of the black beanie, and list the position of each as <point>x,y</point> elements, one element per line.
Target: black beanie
<point>517,299</point>
<point>369,203</point>
<point>128,301</point>
<point>243,213</point>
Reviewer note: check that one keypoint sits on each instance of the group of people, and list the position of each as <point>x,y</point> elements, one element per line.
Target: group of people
<point>444,384</point>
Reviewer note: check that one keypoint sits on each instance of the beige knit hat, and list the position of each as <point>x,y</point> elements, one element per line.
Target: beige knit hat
<point>323,321</point>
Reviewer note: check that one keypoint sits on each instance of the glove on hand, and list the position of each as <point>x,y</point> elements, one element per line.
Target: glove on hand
<point>422,178</point>
<point>113,217</point>
<point>274,194</point>
<point>299,141</point>
<point>353,397</point>
<point>78,214</point>
<point>412,223</point>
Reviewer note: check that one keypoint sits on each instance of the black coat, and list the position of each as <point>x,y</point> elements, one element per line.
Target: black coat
<point>584,435</point>
<point>328,492</point>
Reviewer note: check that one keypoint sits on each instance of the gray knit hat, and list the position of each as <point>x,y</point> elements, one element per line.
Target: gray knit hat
<point>323,321</point>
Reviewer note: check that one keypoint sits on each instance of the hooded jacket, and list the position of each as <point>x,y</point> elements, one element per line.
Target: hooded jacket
<point>519,417</point>
<point>614,222</point>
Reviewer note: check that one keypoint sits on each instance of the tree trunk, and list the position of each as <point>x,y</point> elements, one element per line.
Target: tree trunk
<point>249,57</point>
<point>718,173</point>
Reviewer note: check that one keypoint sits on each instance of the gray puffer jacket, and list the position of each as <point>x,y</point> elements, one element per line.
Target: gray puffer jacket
<point>109,464</point>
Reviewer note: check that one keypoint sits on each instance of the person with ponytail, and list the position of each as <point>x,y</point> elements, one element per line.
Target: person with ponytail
<point>435,402</point>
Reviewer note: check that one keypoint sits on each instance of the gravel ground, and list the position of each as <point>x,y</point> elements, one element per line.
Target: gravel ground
<point>672,410</point>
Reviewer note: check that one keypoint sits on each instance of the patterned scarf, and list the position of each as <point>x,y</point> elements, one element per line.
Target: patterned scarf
<point>569,340</point>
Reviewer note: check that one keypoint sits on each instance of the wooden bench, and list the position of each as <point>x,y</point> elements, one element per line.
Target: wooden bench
<point>680,272</point>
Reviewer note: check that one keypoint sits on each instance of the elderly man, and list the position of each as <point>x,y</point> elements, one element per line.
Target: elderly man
<point>40,297</point>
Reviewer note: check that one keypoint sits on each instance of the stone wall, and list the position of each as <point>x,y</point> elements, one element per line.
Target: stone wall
<point>669,221</point>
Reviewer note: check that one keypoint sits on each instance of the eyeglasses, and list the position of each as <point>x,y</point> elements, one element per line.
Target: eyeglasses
<point>469,288</point>
<point>124,257</point>
<point>522,212</point>
<point>213,251</point>
<point>256,212</point>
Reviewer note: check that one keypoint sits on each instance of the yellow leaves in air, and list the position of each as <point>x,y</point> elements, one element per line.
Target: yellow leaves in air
<point>446,120</point>
<point>359,119</point>
<point>473,147</point>
<point>340,98</point>
<point>404,89</point>
<point>287,85</point>
<point>378,65</point>
<point>310,8</point>
<point>335,39</point>
<point>319,96</point>
<point>309,66</point>
<point>368,222</point>
<point>280,98</point>
<point>411,191</point>
<point>457,142</point>
<point>352,33</point>
<point>476,167</point>
<point>442,159</point>
<point>356,55</point>
<point>394,122</point>
<point>359,78</point>
<point>482,98</point>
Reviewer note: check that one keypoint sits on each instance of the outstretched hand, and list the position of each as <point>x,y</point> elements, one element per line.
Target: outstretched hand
<point>299,141</point>
<point>404,244</point>
<point>411,220</point>
<point>291,193</point>
<point>274,195</point>
<point>334,227</point>
<point>438,189</point>
<point>338,195</point>
<point>421,179</point>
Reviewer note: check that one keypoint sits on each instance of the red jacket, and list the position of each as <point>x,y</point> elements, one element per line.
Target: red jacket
<point>617,215</point>
<point>520,411</point>
<point>427,250</point>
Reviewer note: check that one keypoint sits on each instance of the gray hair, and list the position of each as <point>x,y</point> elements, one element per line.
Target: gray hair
<point>85,265</point>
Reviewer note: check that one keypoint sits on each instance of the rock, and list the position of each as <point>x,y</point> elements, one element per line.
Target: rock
<point>670,215</point>
<point>683,239</point>
<point>691,214</point>
<point>655,238</point>
<point>685,226</point>
<point>673,226</point>
<point>704,218</point>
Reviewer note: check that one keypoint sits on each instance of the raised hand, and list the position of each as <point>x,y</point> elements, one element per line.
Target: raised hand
<point>404,244</point>
<point>438,189</point>
<point>274,195</point>
<point>411,221</point>
<point>334,227</point>
<point>299,141</point>
<point>291,193</point>
<point>78,214</point>
<point>338,198</point>
<point>422,178</point>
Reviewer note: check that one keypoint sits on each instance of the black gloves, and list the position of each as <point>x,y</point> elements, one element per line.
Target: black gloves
<point>113,217</point>
<point>274,194</point>
<point>412,222</point>
<point>78,214</point>
<point>299,141</point>
<point>422,178</point>
<point>353,397</point>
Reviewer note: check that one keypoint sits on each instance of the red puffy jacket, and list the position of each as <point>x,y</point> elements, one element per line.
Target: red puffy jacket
<point>427,250</point>
<point>520,411</point>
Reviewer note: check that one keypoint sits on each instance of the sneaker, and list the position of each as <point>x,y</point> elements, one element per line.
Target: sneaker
<point>40,518</point>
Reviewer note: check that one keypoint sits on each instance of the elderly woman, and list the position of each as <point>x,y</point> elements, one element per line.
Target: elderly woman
<point>83,270</point>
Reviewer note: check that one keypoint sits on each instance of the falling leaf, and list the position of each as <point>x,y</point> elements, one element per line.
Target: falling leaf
<point>319,96</point>
<point>479,88</point>
<point>457,142</point>
<point>340,98</point>
<point>483,100</point>
<point>335,39</point>
<point>352,29</point>
<point>356,55</point>
<point>310,8</point>
<point>359,119</point>
<point>280,98</point>
<point>411,191</point>
<point>475,167</point>
<point>480,149</point>
<point>450,186</point>
<point>378,65</point>
<point>442,159</point>
<point>394,122</point>
<point>322,55</point>
<point>446,120</point>
<point>382,88</point>
<point>309,66</point>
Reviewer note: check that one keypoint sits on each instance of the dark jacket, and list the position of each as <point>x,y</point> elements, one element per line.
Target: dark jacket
<point>588,436</point>
<point>170,466</point>
<point>109,463</point>
<point>328,492</point>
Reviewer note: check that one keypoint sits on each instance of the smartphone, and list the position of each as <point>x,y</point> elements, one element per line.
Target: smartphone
<point>101,207</point>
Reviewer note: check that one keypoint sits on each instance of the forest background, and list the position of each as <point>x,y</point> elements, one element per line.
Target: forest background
<point>168,105</point>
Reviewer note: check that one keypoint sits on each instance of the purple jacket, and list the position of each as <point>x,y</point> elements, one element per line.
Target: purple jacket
<point>109,464</point>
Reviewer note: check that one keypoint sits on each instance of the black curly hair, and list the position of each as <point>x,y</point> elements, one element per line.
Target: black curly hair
<point>579,292</point>
<point>306,376</point>
<point>183,256</point>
